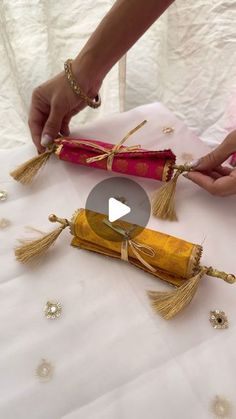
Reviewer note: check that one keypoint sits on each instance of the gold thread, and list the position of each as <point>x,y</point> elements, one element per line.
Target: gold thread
<point>136,247</point>
<point>194,261</point>
<point>73,220</point>
<point>166,175</point>
<point>116,149</point>
<point>58,149</point>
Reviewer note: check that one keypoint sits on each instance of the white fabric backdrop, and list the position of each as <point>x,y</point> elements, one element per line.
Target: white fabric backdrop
<point>186,60</point>
<point>36,37</point>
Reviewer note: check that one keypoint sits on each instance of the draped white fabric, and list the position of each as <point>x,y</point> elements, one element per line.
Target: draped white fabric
<point>36,37</point>
<point>185,60</point>
<point>113,357</point>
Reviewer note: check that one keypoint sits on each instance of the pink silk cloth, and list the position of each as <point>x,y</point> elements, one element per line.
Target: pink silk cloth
<point>157,165</point>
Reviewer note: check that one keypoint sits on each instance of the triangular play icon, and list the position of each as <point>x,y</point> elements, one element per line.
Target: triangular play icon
<point>117,209</point>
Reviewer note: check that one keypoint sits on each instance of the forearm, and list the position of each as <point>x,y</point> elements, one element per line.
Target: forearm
<point>123,25</point>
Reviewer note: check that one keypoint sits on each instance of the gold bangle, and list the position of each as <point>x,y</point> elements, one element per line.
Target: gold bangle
<point>93,103</point>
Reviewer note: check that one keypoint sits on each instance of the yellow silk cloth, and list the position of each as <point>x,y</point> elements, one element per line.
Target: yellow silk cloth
<point>175,260</point>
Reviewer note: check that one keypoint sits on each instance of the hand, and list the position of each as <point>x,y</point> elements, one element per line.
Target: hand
<point>210,175</point>
<point>54,103</point>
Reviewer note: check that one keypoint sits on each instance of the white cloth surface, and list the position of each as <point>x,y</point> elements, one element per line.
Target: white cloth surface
<point>113,357</point>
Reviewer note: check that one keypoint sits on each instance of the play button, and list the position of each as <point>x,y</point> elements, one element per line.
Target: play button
<point>117,210</point>
<point>119,199</point>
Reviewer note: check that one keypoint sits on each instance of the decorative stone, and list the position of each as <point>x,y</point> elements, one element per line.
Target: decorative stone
<point>168,130</point>
<point>44,371</point>
<point>222,408</point>
<point>218,319</point>
<point>52,309</point>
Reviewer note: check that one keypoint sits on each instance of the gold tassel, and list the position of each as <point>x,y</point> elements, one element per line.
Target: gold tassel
<point>26,172</point>
<point>30,250</point>
<point>170,303</point>
<point>163,201</point>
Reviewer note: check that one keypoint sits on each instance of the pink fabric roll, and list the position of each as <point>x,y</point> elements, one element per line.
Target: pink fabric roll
<point>157,165</point>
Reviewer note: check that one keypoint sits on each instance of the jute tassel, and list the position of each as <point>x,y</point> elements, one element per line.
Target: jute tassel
<point>30,250</point>
<point>170,303</point>
<point>163,201</point>
<point>26,172</point>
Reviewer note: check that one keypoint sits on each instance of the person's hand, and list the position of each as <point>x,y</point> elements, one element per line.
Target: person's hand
<point>209,173</point>
<point>54,103</point>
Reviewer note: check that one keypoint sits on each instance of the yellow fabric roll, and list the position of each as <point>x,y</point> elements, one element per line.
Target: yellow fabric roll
<point>175,260</point>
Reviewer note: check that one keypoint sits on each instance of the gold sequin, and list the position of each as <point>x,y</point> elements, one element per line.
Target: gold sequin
<point>44,371</point>
<point>221,408</point>
<point>218,319</point>
<point>3,195</point>
<point>52,309</point>
<point>4,223</point>
<point>168,130</point>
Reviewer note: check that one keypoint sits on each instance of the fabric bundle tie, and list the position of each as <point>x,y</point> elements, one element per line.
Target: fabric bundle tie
<point>166,257</point>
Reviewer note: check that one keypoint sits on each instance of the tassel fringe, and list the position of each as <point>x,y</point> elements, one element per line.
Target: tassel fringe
<point>163,201</point>
<point>26,172</point>
<point>30,250</point>
<point>35,248</point>
<point>170,303</point>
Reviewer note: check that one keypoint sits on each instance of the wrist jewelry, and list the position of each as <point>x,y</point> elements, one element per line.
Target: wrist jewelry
<point>93,103</point>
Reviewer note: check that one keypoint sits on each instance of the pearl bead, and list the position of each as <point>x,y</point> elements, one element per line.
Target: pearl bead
<point>3,195</point>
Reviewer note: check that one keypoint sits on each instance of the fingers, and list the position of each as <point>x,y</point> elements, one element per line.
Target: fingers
<point>220,186</point>
<point>66,121</point>
<point>52,126</point>
<point>36,123</point>
<point>65,130</point>
<point>224,170</point>
<point>214,159</point>
<point>233,160</point>
<point>217,156</point>
<point>219,172</point>
<point>51,111</point>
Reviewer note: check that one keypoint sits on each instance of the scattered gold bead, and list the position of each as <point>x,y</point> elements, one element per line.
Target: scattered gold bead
<point>52,310</point>
<point>222,408</point>
<point>218,319</point>
<point>44,371</point>
<point>168,130</point>
<point>4,223</point>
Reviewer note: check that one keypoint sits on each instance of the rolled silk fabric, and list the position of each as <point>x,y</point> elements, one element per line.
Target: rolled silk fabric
<point>132,160</point>
<point>173,259</point>
<point>168,258</point>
